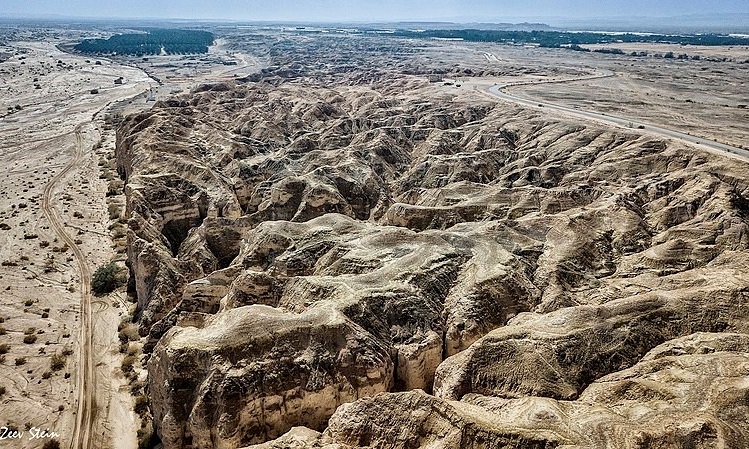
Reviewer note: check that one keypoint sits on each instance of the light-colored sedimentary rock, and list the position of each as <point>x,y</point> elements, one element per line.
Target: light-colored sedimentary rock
<point>251,373</point>
<point>689,392</point>
<point>471,249</point>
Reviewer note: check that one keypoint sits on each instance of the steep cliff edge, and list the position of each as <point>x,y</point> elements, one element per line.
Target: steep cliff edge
<point>690,392</point>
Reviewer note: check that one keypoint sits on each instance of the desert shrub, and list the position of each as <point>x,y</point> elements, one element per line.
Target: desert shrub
<point>107,278</point>
<point>128,332</point>
<point>114,211</point>
<point>118,232</point>
<point>57,362</point>
<point>127,363</point>
<point>20,361</point>
<point>2,390</point>
<point>29,339</point>
<point>136,388</point>
<point>141,404</point>
<point>4,348</point>
<point>3,331</point>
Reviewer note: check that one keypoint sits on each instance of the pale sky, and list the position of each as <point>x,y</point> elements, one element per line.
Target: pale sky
<point>369,10</point>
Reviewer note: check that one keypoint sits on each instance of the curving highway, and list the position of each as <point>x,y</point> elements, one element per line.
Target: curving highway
<point>498,91</point>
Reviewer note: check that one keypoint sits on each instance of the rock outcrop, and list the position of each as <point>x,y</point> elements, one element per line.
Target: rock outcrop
<point>689,392</point>
<point>252,372</point>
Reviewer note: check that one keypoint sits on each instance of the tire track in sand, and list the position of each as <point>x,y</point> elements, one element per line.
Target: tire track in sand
<point>85,403</point>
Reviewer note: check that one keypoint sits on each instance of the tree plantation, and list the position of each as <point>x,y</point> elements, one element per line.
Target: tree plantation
<point>152,42</point>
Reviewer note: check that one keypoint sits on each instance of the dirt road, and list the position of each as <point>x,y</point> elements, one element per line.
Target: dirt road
<point>499,90</point>
<point>84,413</point>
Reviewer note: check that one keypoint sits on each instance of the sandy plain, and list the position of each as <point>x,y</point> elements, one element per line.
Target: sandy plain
<point>52,140</point>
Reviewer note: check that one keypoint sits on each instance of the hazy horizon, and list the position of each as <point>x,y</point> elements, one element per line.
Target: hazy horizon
<point>361,11</point>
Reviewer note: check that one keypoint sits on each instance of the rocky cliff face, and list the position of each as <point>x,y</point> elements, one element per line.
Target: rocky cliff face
<point>690,392</point>
<point>249,373</point>
<point>451,273</point>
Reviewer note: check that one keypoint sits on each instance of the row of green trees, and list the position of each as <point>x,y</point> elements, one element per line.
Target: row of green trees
<point>173,41</point>
<point>554,39</point>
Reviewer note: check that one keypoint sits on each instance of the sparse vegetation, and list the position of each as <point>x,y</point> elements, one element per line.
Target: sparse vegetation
<point>141,405</point>
<point>107,278</point>
<point>57,362</point>
<point>114,211</point>
<point>30,339</point>
<point>127,364</point>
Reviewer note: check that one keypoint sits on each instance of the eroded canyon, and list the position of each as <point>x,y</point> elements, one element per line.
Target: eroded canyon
<point>351,256</point>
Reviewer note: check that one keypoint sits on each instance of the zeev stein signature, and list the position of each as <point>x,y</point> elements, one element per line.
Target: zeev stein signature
<point>34,433</point>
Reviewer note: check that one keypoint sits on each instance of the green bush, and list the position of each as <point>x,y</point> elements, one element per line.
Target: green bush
<point>107,278</point>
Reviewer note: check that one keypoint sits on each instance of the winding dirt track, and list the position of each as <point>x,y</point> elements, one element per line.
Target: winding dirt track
<point>85,409</point>
<point>499,90</point>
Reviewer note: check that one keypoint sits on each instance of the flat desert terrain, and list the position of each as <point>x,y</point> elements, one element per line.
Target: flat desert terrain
<point>55,221</point>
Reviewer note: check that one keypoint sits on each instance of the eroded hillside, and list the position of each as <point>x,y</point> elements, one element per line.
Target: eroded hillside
<point>502,278</point>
